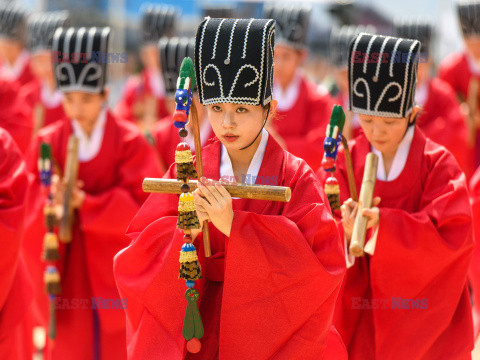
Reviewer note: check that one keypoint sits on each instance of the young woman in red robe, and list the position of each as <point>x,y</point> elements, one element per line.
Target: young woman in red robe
<point>407,298</point>
<point>269,287</point>
<point>304,108</point>
<point>114,158</point>
<point>440,108</point>
<point>15,287</point>
<point>461,69</point>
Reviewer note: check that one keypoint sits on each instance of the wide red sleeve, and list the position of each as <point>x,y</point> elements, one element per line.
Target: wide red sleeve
<point>13,195</point>
<point>124,106</point>
<point>474,273</point>
<point>425,255</point>
<point>15,116</point>
<point>282,277</point>
<point>15,288</point>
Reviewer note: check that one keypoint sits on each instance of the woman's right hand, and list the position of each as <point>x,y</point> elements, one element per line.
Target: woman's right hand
<point>349,212</point>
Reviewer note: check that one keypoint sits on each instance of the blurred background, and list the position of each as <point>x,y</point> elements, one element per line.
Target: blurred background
<point>124,18</point>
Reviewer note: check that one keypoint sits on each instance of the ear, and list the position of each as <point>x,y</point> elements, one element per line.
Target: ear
<point>106,93</point>
<point>303,55</point>
<point>273,108</point>
<point>415,111</point>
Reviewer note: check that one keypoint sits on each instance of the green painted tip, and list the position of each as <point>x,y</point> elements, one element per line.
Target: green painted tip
<point>45,151</point>
<point>187,70</point>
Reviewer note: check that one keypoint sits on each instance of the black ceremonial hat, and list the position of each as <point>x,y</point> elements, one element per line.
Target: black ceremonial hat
<point>340,40</point>
<point>157,21</point>
<point>42,26</point>
<point>291,23</point>
<point>419,29</point>
<point>13,19</point>
<point>218,11</point>
<point>172,52</point>
<point>382,74</point>
<point>469,16</point>
<point>234,61</point>
<point>77,73</point>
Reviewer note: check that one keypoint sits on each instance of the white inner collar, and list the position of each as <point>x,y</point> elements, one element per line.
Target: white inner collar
<point>399,160</point>
<point>89,147</point>
<point>16,69</point>
<point>155,80</point>
<point>226,169</point>
<point>287,98</point>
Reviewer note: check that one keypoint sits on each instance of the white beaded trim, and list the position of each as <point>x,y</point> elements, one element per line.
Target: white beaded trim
<point>367,55</point>
<point>227,60</point>
<point>216,37</point>
<point>246,39</point>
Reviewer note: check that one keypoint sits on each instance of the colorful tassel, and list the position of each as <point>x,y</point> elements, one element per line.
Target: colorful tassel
<point>189,265</point>
<point>187,213</point>
<point>50,247</point>
<point>192,324</point>
<point>184,160</point>
<point>332,190</point>
<point>50,216</point>
<point>51,278</point>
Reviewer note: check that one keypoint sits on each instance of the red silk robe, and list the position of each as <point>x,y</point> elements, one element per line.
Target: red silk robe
<point>136,88</point>
<point>442,121</point>
<point>303,126</point>
<point>113,195</point>
<point>15,285</point>
<point>455,70</point>
<point>409,300</point>
<point>166,138</point>
<point>15,114</point>
<point>272,285</point>
<point>31,93</point>
<point>474,274</point>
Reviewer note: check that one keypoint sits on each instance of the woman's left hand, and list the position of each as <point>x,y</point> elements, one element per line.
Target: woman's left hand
<point>212,197</point>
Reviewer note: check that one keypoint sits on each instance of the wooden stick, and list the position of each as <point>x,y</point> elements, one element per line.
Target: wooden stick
<point>198,156</point>
<point>365,202</point>
<point>256,192</point>
<point>350,174</point>
<point>70,180</point>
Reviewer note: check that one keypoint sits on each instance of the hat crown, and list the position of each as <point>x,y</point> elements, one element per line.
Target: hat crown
<point>172,52</point>
<point>291,23</point>
<point>80,61</point>
<point>382,74</point>
<point>157,21</point>
<point>234,61</point>
<point>340,39</point>
<point>417,29</point>
<point>42,26</point>
<point>12,21</point>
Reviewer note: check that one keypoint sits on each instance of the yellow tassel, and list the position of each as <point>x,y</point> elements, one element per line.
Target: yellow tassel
<point>50,247</point>
<point>187,214</point>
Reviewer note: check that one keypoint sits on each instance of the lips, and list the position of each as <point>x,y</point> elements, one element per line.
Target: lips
<point>230,137</point>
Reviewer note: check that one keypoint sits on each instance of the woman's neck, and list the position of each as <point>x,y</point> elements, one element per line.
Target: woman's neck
<point>241,159</point>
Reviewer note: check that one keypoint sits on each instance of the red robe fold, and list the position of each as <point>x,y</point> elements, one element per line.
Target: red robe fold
<point>15,114</point>
<point>15,285</point>
<point>455,70</point>
<point>442,121</point>
<point>31,93</point>
<point>474,274</point>
<point>113,195</point>
<point>166,138</point>
<point>303,126</point>
<point>410,299</point>
<point>267,293</point>
<point>136,88</point>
